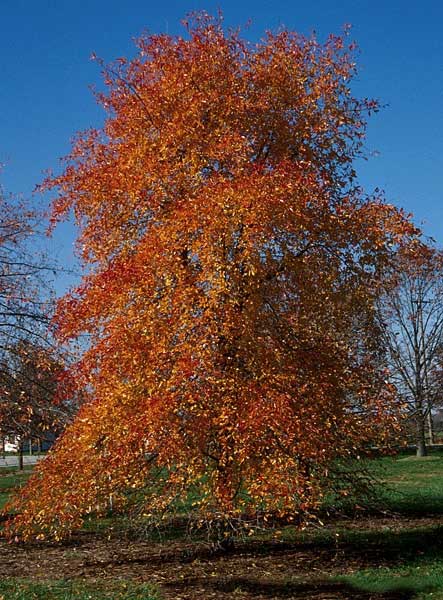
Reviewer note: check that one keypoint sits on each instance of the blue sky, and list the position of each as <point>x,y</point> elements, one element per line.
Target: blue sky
<point>45,49</point>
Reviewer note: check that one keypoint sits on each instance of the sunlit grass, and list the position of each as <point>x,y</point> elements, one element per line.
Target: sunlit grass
<point>421,581</point>
<point>16,589</point>
<point>412,486</point>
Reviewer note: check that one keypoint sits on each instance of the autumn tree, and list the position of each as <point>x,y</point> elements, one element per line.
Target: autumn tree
<point>411,319</point>
<point>228,252</point>
<point>35,405</point>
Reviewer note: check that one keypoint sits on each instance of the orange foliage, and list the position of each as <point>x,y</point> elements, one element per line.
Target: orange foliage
<point>233,266</point>
<point>30,405</point>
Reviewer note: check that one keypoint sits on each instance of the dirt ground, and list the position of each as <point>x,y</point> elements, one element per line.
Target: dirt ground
<point>253,569</point>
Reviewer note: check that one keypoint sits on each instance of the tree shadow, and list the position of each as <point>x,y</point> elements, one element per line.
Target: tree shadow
<point>377,547</point>
<point>296,590</point>
<point>364,548</point>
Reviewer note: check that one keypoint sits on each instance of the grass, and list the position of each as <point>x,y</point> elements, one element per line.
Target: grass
<point>418,581</point>
<point>16,589</point>
<point>412,486</point>
<point>10,480</point>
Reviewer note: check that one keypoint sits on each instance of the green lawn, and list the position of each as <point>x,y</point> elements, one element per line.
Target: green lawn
<point>415,581</point>
<point>10,479</point>
<point>74,590</point>
<point>410,485</point>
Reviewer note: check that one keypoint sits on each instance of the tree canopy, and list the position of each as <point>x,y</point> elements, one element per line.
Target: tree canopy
<point>232,270</point>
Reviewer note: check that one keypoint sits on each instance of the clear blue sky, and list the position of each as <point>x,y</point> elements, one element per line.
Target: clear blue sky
<point>45,47</point>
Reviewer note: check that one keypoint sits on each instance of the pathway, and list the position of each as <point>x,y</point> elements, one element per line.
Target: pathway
<point>12,461</point>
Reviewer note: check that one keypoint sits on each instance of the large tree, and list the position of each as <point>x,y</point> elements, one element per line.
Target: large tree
<point>229,256</point>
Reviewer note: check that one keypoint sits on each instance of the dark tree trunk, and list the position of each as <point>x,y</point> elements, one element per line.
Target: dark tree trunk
<point>421,438</point>
<point>20,456</point>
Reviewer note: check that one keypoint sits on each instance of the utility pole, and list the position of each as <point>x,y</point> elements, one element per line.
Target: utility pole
<point>424,359</point>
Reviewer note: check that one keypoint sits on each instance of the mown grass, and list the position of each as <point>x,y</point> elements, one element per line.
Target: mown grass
<point>16,589</point>
<point>412,486</point>
<point>10,480</point>
<point>416,581</point>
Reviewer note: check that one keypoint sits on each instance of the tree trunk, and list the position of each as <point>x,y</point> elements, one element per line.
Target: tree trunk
<point>421,438</point>
<point>20,456</point>
<point>430,427</point>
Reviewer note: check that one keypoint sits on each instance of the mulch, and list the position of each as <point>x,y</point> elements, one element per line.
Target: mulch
<point>262,570</point>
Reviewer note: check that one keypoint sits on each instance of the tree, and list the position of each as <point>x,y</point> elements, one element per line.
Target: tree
<point>229,252</point>
<point>23,277</point>
<point>411,318</point>
<point>33,407</point>
<point>25,304</point>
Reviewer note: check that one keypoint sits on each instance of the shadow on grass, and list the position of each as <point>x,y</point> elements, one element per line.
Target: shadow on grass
<point>375,548</point>
<point>364,549</point>
<point>336,590</point>
<point>411,505</point>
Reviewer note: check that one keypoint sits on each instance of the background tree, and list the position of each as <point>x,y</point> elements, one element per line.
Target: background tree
<point>27,361</point>
<point>23,276</point>
<point>33,408</point>
<point>411,317</point>
<point>229,251</point>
